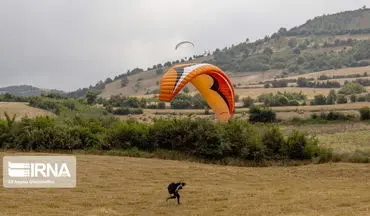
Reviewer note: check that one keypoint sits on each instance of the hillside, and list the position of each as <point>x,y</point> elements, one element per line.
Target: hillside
<point>327,42</point>
<point>21,110</point>
<point>27,90</point>
<point>341,23</point>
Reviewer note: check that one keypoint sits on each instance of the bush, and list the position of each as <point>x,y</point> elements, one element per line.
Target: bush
<point>201,138</point>
<point>126,135</point>
<point>161,105</point>
<point>198,138</point>
<point>332,97</point>
<point>365,113</point>
<point>332,116</point>
<point>128,111</point>
<point>341,99</point>
<point>258,114</point>
<point>282,99</point>
<point>273,139</point>
<point>361,98</point>
<point>243,140</point>
<point>352,88</point>
<point>151,106</point>
<point>319,100</point>
<point>298,146</point>
<point>247,102</point>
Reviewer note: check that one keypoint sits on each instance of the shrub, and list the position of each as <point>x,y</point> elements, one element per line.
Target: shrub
<point>319,100</point>
<point>198,138</point>
<point>151,106</point>
<point>293,103</point>
<point>361,98</point>
<point>273,139</point>
<point>258,114</point>
<point>201,137</point>
<point>352,88</point>
<point>332,97</point>
<point>125,135</point>
<point>243,140</point>
<point>298,146</point>
<point>365,113</point>
<point>127,111</point>
<point>161,105</point>
<point>248,101</point>
<point>341,99</point>
<point>282,98</point>
<point>40,133</point>
<point>333,116</point>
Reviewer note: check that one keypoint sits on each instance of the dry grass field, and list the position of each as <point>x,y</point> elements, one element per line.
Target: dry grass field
<point>254,93</point>
<point>347,142</point>
<point>108,185</point>
<point>344,71</point>
<point>329,130</point>
<point>348,106</point>
<point>21,110</point>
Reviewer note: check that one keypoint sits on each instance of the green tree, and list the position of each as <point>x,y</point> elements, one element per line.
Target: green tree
<point>292,42</point>
<point>161,105</point>
<point>268,51</point>
<point>352,88</point>
<point>319,100</point>
<point>332,97</point>
<point>342,99</point>
<point>300,60</point>
<point>248,101</point>
<point>91,97</point>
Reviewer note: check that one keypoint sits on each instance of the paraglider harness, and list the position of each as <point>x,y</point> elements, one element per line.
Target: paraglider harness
<point>173,188</point>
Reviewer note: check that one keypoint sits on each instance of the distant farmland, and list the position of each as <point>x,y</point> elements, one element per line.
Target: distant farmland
<point>21,110</point>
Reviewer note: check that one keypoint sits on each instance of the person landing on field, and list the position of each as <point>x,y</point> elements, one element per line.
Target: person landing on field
<point>173,188</point>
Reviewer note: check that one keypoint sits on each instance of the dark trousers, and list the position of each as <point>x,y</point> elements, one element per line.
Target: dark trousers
<point>175,195</point>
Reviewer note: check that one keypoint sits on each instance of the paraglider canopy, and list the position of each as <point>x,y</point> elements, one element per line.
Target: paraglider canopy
<point>182,43</point>
<point>212,83</point>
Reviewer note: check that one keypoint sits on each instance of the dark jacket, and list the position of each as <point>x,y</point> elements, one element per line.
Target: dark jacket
<point>174,187</point>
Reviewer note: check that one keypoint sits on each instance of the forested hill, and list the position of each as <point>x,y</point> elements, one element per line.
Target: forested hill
<point>357,21</point>
<point>326,42</point>
<point>26,90</point>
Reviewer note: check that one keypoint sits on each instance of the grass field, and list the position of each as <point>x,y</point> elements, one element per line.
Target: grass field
<point>108,185</point>
<point>254,93</point>
<point>21,110</point>
<point>348,106</point>
<point>337,72</point>
<point>347,141</point>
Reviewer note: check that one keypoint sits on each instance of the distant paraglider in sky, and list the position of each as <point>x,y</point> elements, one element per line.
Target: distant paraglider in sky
<point>182,43</point>
<point>212,83</point>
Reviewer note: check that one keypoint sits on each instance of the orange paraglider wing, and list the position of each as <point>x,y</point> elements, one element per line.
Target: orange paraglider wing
<point>212,83</point>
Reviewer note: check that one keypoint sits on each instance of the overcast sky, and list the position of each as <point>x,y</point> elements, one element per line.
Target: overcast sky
<point>70,44</point>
